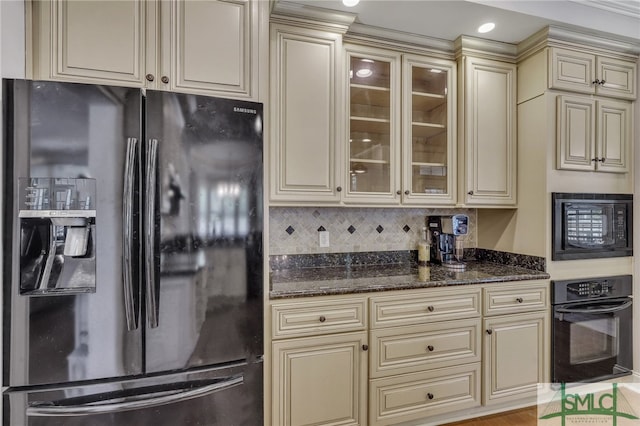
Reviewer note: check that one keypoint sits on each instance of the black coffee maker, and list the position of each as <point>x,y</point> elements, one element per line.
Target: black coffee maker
<point>442,232</point>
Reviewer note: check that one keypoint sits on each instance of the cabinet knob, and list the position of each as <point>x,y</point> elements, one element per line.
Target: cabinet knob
<point>430,308</point>
<point>407,192</point>
<point>519,300</point>
<point>398,192</point>
<point>602,82</point>
<point>595,159</point>
<point>602,159</point>
<point>470,192</point>
<point>322,318</point>
<point>164,79</point>
<point>489,331</point>
<point>365,347</point>
<point>430,395</point>
<point>596,81</point>
<point>339,189</point>
<point>150,77</point>
<point>430,348</point>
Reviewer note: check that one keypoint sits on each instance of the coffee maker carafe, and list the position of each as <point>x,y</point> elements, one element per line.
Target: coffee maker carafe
<point>443,233</point>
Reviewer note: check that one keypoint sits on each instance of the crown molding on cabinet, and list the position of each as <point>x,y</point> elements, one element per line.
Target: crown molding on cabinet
<point>311,17</point>
<point>399,40</point>
<point>564,37</point>
<point>487,49</point>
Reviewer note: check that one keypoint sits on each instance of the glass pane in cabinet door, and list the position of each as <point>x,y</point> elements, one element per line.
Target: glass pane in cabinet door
<point>370,125</point>
<point>429,135</point>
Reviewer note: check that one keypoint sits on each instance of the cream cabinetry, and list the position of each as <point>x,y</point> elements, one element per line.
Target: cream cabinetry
<point>583,72</point>
<point>593,134</point>
<point>401,128</point>
<point>319,380</point>
<point>208,47</point>
<point>306,114</point>
<point>488,132</point>
<point>422,361</point>
<point>516,349</point>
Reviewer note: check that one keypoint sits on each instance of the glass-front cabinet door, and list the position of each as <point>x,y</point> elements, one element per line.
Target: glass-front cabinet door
<point>373,148</point>
<point>429,132</point>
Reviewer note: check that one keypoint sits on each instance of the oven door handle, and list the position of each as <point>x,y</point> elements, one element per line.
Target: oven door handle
<point>616,308</point>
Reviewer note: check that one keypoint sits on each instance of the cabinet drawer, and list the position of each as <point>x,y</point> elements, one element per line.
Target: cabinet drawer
<point>414,396</point>
<point>408,349</point>
<point>310,318</point>
<point>424,307</point>
<point>517,298</point>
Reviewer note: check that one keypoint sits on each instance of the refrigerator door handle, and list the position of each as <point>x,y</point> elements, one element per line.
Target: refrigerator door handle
<point>153,302</point>
<point>99,404</point>
<point>128,248</point>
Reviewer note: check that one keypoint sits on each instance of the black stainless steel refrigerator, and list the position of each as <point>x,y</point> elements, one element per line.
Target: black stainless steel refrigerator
<point>133,265</point>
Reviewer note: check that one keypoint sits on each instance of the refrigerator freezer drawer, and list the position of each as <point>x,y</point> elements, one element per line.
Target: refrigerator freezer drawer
<point>226,396</point>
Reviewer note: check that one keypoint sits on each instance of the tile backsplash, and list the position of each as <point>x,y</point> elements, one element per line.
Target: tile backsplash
<point>294,230</point>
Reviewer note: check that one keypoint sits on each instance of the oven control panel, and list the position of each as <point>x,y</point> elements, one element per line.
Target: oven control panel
<point>591,288</point>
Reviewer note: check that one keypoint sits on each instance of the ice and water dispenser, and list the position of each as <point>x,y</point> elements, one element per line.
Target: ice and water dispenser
<point>57,235</point>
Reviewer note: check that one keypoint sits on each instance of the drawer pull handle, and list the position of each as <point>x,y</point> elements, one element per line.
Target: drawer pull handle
<point>489,331</point>
<point>519,300</point>
<point>430,348</point>
<point>430,395</point>
<point>430,308</point>
<point>322,318</point>
<point>365,347</point>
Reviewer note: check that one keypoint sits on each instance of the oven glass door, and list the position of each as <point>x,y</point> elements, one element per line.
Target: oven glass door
<point>592,340</point>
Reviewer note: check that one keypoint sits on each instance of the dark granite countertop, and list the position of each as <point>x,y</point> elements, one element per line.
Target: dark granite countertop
<point>331,280</point>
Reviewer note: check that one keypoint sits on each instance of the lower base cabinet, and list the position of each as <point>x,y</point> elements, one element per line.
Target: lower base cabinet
<point>320,380</point>
<point>414,396</point>
<point>514,356</point>
<point>436,354</point>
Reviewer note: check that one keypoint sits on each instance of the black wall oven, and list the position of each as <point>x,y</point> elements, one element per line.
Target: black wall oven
<point>588,226</point>
<point>592,329</point>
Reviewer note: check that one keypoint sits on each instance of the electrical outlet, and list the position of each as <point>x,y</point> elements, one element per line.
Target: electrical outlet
<point>323,238</point>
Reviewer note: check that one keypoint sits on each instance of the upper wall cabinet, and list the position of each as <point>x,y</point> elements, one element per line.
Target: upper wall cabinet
<point>488,135</point>
<point>401,128</point>
<point>581,72</point>
<point>593,135</point>
<point>306,110</point>
<point>208,47</point>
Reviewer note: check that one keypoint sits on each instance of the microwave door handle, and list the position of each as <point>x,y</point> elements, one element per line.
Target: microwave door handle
<point>128,249</point>
<point>616,308</point>
<point>149,231</point>
<point>153,399</point>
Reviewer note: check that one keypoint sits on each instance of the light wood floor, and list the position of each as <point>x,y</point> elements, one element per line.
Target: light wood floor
<point>522,417</point>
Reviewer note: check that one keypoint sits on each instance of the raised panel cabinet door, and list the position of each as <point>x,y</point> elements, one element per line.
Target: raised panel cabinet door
<point>99,42</point>
<point>614,135</point>
<point>212,46</point>
<point>490,132</point>
<point>515,358</point>
<point>576,133</point>
<point>573,71</point>
<point>320,380</point>
<point>617,78</point>
<point>304,157</point>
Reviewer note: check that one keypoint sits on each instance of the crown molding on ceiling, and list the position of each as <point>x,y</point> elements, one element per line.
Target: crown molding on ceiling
<point>621,7</point>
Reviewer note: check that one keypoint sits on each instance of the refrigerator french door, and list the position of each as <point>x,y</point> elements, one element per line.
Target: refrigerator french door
<point>133,252</point>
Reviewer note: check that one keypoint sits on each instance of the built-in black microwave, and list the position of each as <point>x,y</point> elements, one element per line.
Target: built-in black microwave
<point>590,226</point>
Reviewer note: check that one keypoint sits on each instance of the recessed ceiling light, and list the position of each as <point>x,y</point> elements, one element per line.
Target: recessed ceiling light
<point>485,28</point>
<point>364,72</point>
<point>350,3</point>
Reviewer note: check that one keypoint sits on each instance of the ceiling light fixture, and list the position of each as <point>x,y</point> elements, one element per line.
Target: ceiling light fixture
<point>350,3</point>
<point>485,28</point>
<point>435,71</point>
<point>364,72</point>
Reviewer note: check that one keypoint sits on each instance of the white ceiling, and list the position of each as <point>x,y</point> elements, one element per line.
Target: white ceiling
<point>515,19</point>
